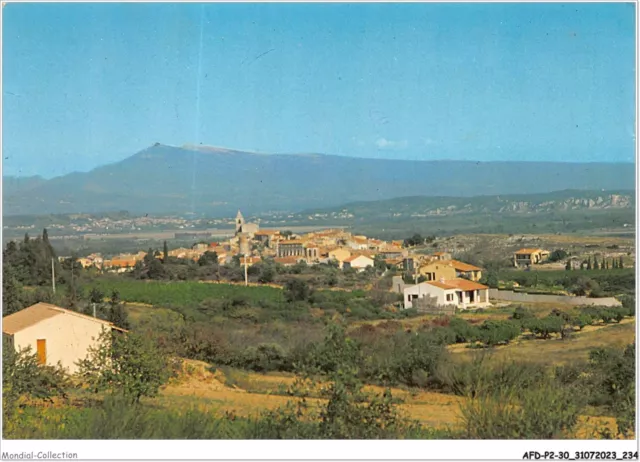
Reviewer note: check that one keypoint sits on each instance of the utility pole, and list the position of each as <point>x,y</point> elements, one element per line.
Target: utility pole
<point>53,276</point>
<point>246,273</point>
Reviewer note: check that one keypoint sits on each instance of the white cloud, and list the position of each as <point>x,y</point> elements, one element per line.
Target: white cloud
<point>383,143</point>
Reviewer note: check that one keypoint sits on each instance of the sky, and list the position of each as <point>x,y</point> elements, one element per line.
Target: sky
<point>88,84</point>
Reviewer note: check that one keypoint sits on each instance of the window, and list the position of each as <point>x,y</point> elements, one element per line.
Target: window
<point>449,297</point>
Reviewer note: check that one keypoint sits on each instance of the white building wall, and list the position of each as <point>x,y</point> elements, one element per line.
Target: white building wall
<point>68,338</point>
<point>424,289</point>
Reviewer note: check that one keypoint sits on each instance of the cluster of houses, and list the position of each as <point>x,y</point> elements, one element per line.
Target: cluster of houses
<point>441,281</point>
<point>287,249</point>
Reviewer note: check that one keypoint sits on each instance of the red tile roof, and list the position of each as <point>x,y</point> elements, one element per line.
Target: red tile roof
<point>458,283</point>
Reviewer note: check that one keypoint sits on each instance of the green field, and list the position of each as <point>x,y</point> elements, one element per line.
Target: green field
<point>183,293</point>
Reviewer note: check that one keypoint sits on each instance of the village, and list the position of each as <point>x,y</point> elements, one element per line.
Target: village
<point>197,304</point>
<point>427,281</point>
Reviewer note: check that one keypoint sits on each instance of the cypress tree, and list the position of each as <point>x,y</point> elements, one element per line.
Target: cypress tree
<point>621,265</point>
<point>165,252</point>
<point>589,263</point>
<point>596,265</point>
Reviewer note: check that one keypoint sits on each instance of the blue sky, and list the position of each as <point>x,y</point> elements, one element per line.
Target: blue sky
<point>89,84</point>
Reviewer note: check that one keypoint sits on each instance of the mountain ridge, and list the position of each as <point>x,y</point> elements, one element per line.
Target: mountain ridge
<point>216,180</point>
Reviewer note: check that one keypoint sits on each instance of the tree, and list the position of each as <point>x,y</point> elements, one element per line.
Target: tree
<point>557,255</point>
<point>267,273</point>
<point>156,270</point>
<point>165,252</point>
<point>584,286</point>
<point>596,265</point>
<point>118,314</point>
<point>297,290</point>
<point>491,279</point>
<point>11,292</point>
<point>126,364</point>
<point>22,376</point>
<point>620,263</point>
<point>567,266</point>
<point>414,240</point>
<point>209,258</point>
<point>96,295</point>
<point>379,263</point>
<point>589,263</point>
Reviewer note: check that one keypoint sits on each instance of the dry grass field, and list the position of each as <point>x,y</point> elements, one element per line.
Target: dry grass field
<point>252,393</point>
<point>575,348</point>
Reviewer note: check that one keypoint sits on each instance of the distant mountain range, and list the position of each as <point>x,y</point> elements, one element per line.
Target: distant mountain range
<point>424,207</point>
<point>164,179</point>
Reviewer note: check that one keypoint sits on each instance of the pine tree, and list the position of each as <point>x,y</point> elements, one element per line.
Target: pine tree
<point>118,314</point>
<point>11,292</point>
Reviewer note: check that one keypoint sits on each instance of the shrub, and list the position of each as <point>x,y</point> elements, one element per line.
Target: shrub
<point>544,412</point>
<point>464,332</point>
<point>522,313</point>
<point>131,365</point>
<point>22,377</point>
<point>544,327</point>
<point>297,290</point>
<point>266,357</point>
<point>581,320</point>
<point>558,255</point>
<point>492,333</point>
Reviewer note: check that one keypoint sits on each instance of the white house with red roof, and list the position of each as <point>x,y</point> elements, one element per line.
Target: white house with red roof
<point>459,292</point>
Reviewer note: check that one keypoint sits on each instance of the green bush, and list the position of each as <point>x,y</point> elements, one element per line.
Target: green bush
<point>522,313</point>
<point>130,365</point>
<point>491,333</point>
<point>23,377</point>
<point>464,331</point>
<point>544,327</point>
<point>545,412</point>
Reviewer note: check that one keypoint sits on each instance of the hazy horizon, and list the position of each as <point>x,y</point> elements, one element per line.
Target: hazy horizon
<point>91,84</point>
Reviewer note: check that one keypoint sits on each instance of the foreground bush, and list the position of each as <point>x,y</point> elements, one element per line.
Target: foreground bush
<point>548,412</point>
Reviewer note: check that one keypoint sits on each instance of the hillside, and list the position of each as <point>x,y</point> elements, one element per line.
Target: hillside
<point>165,179</point>
<point>421,206</point>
